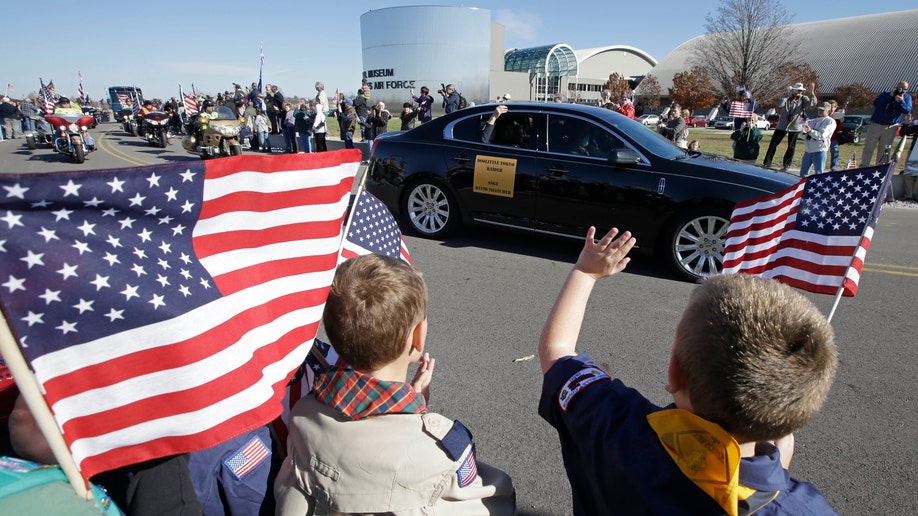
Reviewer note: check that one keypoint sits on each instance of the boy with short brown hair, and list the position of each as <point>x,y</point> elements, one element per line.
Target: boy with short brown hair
<point>363,440</point>
<point>752,361</point>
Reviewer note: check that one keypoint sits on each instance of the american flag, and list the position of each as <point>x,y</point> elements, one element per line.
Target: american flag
<point>164,308</point>
<point>249,457</point>
<point>852,163</point>
<point>191,107</point>
<point>814,235</point>
<point>80,90</point>
<point>738,109</point>
<point>135,104</point>
<point>47,98</point>
<point>51,90</point>
<point>468,470</point>
<point>373,230</point>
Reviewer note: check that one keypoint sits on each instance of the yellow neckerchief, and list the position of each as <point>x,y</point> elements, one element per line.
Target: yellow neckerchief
<point>706,454</point>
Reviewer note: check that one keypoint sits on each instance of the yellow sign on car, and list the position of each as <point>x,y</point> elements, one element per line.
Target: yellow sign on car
<point>494,176</point>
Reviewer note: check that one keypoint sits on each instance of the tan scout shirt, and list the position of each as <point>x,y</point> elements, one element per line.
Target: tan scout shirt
<point>392,464</point>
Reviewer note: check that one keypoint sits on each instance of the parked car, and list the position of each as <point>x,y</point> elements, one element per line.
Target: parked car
<point>723,122</point>
<point>649,120</point>
<point>556,169</point>
<point>762,123</point>
<point>853,128</point>
<point>697,121</point>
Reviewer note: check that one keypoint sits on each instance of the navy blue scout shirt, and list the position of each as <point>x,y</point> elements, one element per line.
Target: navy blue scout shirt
<point>617,465</point>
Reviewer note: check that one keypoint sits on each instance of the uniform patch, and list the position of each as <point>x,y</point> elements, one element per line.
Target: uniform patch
<point>577,382</point>
<point>247,458</point>
<point>468,470</point>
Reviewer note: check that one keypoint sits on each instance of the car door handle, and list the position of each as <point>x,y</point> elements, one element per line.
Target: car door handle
<point>461,158</point>
<point>557,171</point>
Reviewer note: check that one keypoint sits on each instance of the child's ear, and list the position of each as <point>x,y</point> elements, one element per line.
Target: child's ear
<point>675,376</point>
<point>419,337</point>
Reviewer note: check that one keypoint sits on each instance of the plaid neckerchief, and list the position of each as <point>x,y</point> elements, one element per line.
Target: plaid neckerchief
<point>359,396</point>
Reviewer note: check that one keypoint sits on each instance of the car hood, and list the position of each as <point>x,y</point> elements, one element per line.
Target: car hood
<point>743,173</point>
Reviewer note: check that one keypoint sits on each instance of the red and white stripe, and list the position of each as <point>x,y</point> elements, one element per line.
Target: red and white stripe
<point>268,233</point>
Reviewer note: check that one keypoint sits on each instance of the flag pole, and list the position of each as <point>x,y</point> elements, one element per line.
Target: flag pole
<point>874,215</point>
<point>31,393</point>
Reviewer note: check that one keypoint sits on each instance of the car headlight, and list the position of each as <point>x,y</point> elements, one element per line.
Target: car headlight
<point>73,128</point>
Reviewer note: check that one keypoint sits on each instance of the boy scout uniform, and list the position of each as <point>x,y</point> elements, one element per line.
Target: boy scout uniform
<point>404,464</point>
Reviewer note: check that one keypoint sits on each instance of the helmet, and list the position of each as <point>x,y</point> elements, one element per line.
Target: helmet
<point>207,104</point>
<point>148,103</point>
<point>63,100</point>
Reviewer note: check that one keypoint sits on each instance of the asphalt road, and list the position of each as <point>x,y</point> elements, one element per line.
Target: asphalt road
<point>491,290</point>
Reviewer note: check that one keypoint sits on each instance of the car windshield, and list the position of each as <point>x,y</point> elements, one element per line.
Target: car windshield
<point>645,137</point>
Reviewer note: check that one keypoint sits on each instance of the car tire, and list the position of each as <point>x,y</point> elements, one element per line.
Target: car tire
<point>30,143</point>
<point>430,209</point>
<point>856,138</point>
<point>695,243</point>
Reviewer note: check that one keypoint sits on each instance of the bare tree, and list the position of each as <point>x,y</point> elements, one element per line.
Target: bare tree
<point>747,42</point>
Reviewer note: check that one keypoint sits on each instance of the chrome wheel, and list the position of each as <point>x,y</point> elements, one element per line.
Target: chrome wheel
<point>697,245</point>
<point>430,209</point>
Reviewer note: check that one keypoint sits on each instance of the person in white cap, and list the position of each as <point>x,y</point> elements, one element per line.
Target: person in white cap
<point>10,119</point>
<point>791,117</point>
<point>505,98</point>
<point>818,135</point>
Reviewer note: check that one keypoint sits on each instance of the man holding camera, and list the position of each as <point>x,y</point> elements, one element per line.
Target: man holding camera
<point>791,117</point>
<point>888,109</point>
<point>450,98</point>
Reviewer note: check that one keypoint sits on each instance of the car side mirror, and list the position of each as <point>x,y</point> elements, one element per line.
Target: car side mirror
<point>624,157</point>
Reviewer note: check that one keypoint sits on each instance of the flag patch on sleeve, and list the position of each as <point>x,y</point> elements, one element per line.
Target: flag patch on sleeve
<point>468,470</point>
<point>577,382</point>
<point>247,458</point>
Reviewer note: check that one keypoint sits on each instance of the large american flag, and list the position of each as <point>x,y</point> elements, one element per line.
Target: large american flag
<point>164,308</point>
<point>373,230</point>
<point>814,235</point>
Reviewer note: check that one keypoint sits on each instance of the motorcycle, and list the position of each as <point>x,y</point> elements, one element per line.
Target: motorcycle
<point>43,133</point>
<point>155,128</point>
<point>72,137</point>
<point>128,122</point>
<point>215,138</point>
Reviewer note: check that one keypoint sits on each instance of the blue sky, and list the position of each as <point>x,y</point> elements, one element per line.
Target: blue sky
<point>157,45</point>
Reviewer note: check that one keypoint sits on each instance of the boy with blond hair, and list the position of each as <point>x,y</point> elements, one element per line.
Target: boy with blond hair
<point>363,441</point>
<point>752,361</point>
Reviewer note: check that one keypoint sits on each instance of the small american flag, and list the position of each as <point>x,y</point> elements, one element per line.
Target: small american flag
<point>852,163</point>
<point>373,230</point>
<point>135,104</point>
<point>80,90</point>
<point>164,308</point>
<point>468,470</point>
<point>249,457</point>
<point>814,235</point>
<point>738,109</point>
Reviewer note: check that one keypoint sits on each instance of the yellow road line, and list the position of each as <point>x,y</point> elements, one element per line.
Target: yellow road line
<point>896,273</point>
<point>110,149</point>
<point>890,266</point>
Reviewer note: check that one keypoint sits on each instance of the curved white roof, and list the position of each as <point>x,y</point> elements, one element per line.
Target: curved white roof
<point>876,50</point>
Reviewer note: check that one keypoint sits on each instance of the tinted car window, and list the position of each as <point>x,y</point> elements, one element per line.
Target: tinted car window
<point>575,136</point>
<point>469,129</point>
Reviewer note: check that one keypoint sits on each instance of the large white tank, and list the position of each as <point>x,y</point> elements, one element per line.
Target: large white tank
<point>405,47</point>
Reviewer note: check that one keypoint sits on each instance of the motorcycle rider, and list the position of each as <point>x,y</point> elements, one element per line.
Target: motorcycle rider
<point>208,112</point>
<point>64,108</point>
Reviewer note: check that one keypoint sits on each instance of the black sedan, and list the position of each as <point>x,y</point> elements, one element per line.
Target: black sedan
<point>557,169</point>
